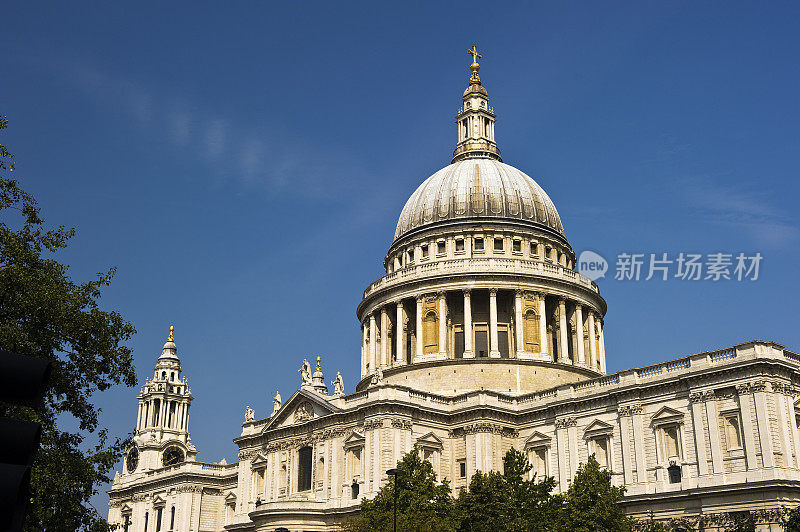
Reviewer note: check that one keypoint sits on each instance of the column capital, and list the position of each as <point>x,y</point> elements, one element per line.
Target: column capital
<point>578,306</point>
<point>467,291</point>
<point>420,297</point>
<point>399,303</point>
<point>493,291</point>
<point>441,293</point>
<point>519,292</point>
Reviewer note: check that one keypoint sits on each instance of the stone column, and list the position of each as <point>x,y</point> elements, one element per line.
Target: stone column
<point>442,324</point>
<point>542,325</point>
<point>579,335</point>
<point>602,349</point>
<point>468,353</point>
<point>493,350</point>
<point>364,349</point>
<point>384,338</point>
<point>373,346</point>
<point>563,351</point>
<point>696,406</point>
<point>420,341</point>
<point>139,417</point>
<point>592,341</point>
<point>398,334</point>
<point>518,336</point>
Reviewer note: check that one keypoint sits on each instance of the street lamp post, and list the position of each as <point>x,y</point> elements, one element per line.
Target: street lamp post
<point>395,473</point>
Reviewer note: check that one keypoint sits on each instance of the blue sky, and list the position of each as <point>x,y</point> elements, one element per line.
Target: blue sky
<point>243,165</point>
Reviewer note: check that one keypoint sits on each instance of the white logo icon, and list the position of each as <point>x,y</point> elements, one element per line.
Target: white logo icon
<point>592,265</point>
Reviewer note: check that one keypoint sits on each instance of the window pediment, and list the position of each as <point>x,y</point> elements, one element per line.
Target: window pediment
<point>230,497</point>
<point>126,509</point>
<point>430,441</point>
<point>354,440</point>
<point>260,460</point>
<point>158,500</point>
<point>537,439</point>
<point>598,428</point>
<point>666,415</point>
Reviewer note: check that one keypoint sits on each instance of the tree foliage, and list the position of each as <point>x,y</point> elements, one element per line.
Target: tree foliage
<point>791,519</point>
<point>44,313</point>
<point>496,502</point>
<point>508,501</point>
<point>423,503</point>
<point>591,503</point>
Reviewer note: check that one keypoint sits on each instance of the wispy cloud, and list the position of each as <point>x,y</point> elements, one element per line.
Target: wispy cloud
<point>745,207</point>
<point>239,151</point>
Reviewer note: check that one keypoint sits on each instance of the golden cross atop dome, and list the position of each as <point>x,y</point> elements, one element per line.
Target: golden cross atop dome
<point>474,67</point>
<point>474,53</point>
<point>318,363</point>
<point>170,338</point>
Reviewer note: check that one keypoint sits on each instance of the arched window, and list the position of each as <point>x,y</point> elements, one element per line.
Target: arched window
<point>430,333</point>
<point>530,329</point>
<point>304,469</point>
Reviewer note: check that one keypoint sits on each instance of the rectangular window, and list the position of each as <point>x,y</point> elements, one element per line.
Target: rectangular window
<point>440,248</point>
<point>172,519</point>
<point>516,246</point>
<point>670,437</point>
<point>481,344</point>
<point>478,244</point>
<point>534,248</point>
<point>424,251</point>
<point>732,433</point>
<point>600,449</point>
<point>539,462</point>
<point>159,514</point>
<point>459,344</point>
<point>304,469</point>
<point>498,244</point>
<point>146,518</point>
<point>462,469</point>
<point>459,244</point>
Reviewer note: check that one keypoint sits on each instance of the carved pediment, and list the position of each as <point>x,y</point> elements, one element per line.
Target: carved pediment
<point>158,500</point>
<point>666,415</point>
<point>430,440</point>
<point>126,509</point>
<point>597,428</point>
<point>354,440</point>
<point>259,460</point>
<point>301,407</point>
<point>537,439</point>
<point>230,497</point>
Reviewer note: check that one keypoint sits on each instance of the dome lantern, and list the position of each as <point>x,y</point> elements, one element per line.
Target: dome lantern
<point>475,119</point>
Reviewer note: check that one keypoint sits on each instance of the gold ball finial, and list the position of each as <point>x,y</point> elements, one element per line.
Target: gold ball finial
<point>171,338</point>
<point>474,67</point>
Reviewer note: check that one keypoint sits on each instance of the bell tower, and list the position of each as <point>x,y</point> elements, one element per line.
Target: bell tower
<point>475,119</point>
<point>161,438</point>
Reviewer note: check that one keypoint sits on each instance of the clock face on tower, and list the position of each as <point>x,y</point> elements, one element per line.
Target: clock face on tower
<point>132,460</point>
<point>173,455</point>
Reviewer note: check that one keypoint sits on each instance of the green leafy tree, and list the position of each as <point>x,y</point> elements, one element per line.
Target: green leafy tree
<point>741,522</point>
<point>508,501</point>
<point>791,519</point>
<point>423,503</point>
<point>592,503</point>
<point>651,525</point>
<point>44,313</point>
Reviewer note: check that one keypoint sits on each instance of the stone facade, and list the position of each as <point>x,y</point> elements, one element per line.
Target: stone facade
<point>480,337</point>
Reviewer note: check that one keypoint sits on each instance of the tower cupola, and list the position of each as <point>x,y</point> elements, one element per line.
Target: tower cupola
<point>475,119</point>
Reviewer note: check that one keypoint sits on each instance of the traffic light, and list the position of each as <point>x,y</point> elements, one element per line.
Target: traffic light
<point>23,382</point>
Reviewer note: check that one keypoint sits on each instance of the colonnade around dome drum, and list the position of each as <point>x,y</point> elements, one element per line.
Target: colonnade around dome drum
<point>482,323</point>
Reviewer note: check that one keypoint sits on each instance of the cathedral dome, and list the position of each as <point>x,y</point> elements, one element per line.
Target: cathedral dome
<point>478,188</point>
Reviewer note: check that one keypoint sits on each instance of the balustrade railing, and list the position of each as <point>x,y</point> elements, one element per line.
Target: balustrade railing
<point>480,265</point>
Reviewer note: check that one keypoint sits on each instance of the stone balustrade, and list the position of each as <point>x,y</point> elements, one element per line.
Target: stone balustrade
<point>478,265</point>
